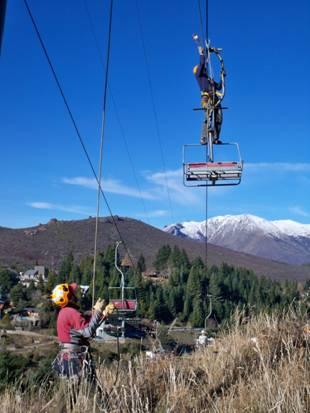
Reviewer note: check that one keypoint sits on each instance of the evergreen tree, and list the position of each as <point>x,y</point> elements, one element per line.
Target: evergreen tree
<point>197,315</point>
<point>193,288</point>
<point>8,279</point>
<point>65,269</point>
<point>162,258</point>
<point>18,295</point>
<point>75,274</point>
<point>141,267</point>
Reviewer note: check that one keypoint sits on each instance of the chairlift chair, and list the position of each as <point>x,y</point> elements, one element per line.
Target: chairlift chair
<point>122,303</point>
<point>212,172</point>
<point>125,303</point>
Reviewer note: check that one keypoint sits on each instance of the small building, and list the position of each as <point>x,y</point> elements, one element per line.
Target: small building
<point>28,318</point>
<point>33,275</point>
<point>150,274</point>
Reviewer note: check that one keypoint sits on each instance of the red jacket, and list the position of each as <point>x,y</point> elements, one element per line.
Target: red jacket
<point>73,328</point>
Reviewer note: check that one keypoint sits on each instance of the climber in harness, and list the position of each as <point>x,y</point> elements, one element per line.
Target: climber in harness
<point>74,331</point>
<point>212,93</point>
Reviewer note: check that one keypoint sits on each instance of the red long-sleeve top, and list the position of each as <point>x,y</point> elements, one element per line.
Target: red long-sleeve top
<point>73,328</point>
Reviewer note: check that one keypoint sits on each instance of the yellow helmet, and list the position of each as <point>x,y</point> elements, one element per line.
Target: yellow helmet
<point>60,295</point>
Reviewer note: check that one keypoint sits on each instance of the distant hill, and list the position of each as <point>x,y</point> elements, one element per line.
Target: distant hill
<point>286,241</point>
<point>47,244</point>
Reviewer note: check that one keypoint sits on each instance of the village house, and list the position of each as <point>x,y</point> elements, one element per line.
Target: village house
<point>33,275</point>
<point>28,318</point>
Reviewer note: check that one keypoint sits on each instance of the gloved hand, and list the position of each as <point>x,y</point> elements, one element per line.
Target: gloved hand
<point>99,306</point>
<point>108,310</point>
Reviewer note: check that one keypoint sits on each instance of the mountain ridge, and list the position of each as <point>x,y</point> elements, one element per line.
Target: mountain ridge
<point>48,244</point>
<point>281,240</point>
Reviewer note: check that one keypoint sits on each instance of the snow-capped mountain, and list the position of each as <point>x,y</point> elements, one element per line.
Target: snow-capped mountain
<point>281,240</point>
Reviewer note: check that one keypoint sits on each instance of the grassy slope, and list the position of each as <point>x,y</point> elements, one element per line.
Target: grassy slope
<point>259,366</point>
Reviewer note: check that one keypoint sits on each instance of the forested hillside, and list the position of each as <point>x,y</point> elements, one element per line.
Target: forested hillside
<point>183,292</point>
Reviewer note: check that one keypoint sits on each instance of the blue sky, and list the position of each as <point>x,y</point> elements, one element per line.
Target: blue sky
<point>44,173</point>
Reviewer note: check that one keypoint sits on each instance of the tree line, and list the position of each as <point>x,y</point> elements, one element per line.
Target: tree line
<point>186,291</point>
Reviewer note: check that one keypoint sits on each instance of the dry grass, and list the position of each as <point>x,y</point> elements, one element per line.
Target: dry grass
<point>259,366</point>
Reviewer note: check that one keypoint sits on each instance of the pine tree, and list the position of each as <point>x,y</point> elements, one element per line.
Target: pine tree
<point>65,269</point>
<point>193,288</point>
<point>141,267</point>
<point>197,315</point>
<point>162,258</point>
<point>75,274</point>
<point>51,281</point>
<point>18,295</point>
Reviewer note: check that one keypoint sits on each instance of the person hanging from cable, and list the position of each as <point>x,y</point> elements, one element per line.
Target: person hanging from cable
<point>212,92</point>
<point>74,331</point>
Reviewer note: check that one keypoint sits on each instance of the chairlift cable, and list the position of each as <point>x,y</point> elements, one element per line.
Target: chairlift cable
<point>206,227</point>
<point>205,34</point>
<point>103,123</point>
<point>209,62</point>
<point>207,20</point>
<point>78,134</point>
<point>202,32</point>
<point>157,129</point>
<point>116,111</point>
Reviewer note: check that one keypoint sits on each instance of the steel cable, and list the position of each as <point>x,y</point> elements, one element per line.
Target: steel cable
<point>78,134</point>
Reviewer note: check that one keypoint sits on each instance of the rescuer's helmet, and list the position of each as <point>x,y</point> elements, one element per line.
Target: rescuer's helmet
<point>63,293</point>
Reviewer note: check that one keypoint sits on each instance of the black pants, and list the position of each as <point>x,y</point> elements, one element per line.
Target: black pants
<point>218,120</point>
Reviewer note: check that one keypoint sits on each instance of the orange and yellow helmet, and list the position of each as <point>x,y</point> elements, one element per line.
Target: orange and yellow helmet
<point>60,295</point>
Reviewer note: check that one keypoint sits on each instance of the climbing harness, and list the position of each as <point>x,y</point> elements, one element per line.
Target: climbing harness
<point>73,362</point>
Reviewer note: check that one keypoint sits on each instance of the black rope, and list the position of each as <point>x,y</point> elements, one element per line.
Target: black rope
<point>207,20</point>
<point>206,227</point>
<point>205,39</point>
<point>103,123</point>
<point>74,123</point>
<point>204,29</point>
<point>201,22</point>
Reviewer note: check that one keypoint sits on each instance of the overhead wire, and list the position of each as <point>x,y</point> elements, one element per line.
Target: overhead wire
<point>202,32</point>
<point>74,123</point>
<point>205,42</point>
<point>103,122</point>
<point>116,111</point>
<point>209,62</point>
<point>157,129</point>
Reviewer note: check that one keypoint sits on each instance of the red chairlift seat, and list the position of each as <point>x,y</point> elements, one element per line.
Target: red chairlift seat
<point>212,173</point>
<point>122,302</point>
<point>125,305</point>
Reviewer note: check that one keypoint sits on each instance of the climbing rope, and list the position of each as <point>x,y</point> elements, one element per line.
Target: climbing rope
<point>74,123</point>
<point>116,111</point>
<point>103,122</point>
<point>205,44</point>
